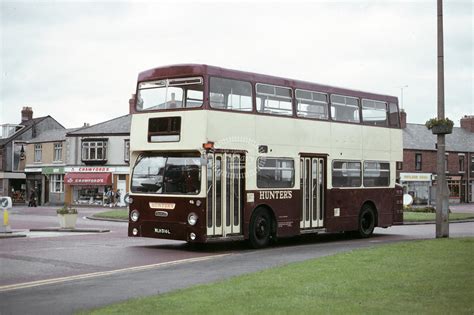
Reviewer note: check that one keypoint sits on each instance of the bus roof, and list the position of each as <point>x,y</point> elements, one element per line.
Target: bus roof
<point>181,70</point>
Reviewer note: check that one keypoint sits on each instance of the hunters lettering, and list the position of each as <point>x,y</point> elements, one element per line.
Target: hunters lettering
<point>279,194</point>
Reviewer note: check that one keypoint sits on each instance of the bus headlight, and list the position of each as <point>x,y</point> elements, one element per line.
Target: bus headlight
<point>134,215</point>
<point>192,218</point>
<point>128,200</point>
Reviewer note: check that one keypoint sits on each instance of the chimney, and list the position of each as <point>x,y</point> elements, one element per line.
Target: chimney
<point>403,119</point>
<point>467,122</point>
<point>131,104</point>
<point>26,114</point>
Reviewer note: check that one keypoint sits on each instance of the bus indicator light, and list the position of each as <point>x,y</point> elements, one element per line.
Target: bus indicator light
<point>208,146</point>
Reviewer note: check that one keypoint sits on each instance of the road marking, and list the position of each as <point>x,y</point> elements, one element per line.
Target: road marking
<point>38,283</point>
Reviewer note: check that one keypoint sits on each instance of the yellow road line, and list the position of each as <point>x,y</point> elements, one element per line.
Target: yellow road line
<point>103,273</point>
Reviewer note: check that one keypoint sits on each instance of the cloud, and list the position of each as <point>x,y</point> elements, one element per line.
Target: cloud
<point>84,57</point>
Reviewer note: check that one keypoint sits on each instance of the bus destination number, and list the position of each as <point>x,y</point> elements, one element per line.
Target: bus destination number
<point>278,194</point>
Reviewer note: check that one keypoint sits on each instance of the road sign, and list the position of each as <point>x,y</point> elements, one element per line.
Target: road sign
<point>5,202</point>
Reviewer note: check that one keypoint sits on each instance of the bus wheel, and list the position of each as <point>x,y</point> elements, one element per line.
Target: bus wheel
<point>260,228</point>
<point>366,221</point>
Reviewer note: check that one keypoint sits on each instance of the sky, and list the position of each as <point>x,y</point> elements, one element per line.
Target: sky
<point>78,61</point>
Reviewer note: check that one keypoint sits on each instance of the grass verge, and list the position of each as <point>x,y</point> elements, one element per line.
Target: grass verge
<point>408,216</point>
<point>425,216</point>
<point>113,214</point>
<point>434,276</point>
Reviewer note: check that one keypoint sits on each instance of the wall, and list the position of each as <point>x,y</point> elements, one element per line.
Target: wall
<point>115,149</point>
<point>47,153</point>
<point>428,162</point>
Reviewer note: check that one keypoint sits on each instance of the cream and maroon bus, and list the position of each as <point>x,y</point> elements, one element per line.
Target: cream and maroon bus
<point>220,154</point>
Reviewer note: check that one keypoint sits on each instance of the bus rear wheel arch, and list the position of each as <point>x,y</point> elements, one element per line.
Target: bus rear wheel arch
<point>367,220</point>
<point>262,227</point>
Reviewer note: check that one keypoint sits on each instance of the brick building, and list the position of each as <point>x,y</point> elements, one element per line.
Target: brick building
<point>418,174</point>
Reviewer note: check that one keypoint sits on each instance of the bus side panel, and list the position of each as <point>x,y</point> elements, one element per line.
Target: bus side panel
<point>348,203</point>
<point>284,203</point>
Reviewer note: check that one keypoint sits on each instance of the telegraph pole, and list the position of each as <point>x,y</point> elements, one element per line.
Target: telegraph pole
<point>442,224</point>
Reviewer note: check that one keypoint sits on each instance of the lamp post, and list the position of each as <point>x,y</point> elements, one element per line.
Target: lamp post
<point>442,224</point>
<point>401,92</point>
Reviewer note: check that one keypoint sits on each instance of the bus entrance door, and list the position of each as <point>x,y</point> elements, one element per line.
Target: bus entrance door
<point>312,190</point>
<point>225,184</point>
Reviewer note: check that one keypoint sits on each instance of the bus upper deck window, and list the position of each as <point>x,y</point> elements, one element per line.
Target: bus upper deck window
<point>170,94</point>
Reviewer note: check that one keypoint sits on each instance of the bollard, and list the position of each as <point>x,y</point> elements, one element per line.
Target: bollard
<point>5,216</point>
<point>5,203</point>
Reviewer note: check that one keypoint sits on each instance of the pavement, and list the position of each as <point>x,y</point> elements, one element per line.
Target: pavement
<point>462,208</point>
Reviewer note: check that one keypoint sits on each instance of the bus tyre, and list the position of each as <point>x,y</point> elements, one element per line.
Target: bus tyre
<point>366,221</point>
<point>260,228</point>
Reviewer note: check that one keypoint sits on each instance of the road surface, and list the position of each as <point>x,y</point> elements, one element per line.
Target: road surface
<point>62,273</point>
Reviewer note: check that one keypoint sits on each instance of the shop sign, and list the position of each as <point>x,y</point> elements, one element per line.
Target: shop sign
<point>415,177</point>
<point>88,179</point>
<point>53,170</point>
<point>90,169</point>
<point>33,170</point>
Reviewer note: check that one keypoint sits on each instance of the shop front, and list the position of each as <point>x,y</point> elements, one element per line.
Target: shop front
<point>455,188</point>
<point>87,188</point>
<point>34,186</point>
<point>54,184</point>
<point>418,185</point>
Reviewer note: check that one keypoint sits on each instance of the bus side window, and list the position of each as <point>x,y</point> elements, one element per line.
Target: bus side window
<point>393,115</point>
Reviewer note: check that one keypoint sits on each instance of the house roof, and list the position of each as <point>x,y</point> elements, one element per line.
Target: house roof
<point>26,126</point>
<point>52,135</point>
<point>418,137</point>
<point>115,126</point>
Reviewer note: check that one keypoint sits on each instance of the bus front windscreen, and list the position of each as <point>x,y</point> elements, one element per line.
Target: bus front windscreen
<point>153,174</point>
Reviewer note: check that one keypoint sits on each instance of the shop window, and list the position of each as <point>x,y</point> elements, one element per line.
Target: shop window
<point>94,151</point>
<point>57,183</point>
<point>275,173</point>
<point>418,161</point>
<point>38,152</point>
<point>346,174</point>
<point>58,152</point>
<point>126,151</point>
<point>454,189</point>
<point>472,166</point>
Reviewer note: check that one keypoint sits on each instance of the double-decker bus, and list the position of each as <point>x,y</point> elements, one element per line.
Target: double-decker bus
<point>221,154</point>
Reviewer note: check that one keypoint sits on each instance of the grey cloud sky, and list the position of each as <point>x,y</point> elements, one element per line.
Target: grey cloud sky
<point>78,61</point>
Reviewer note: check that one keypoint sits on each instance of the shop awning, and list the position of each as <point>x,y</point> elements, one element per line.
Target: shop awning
<point>97,179</point>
